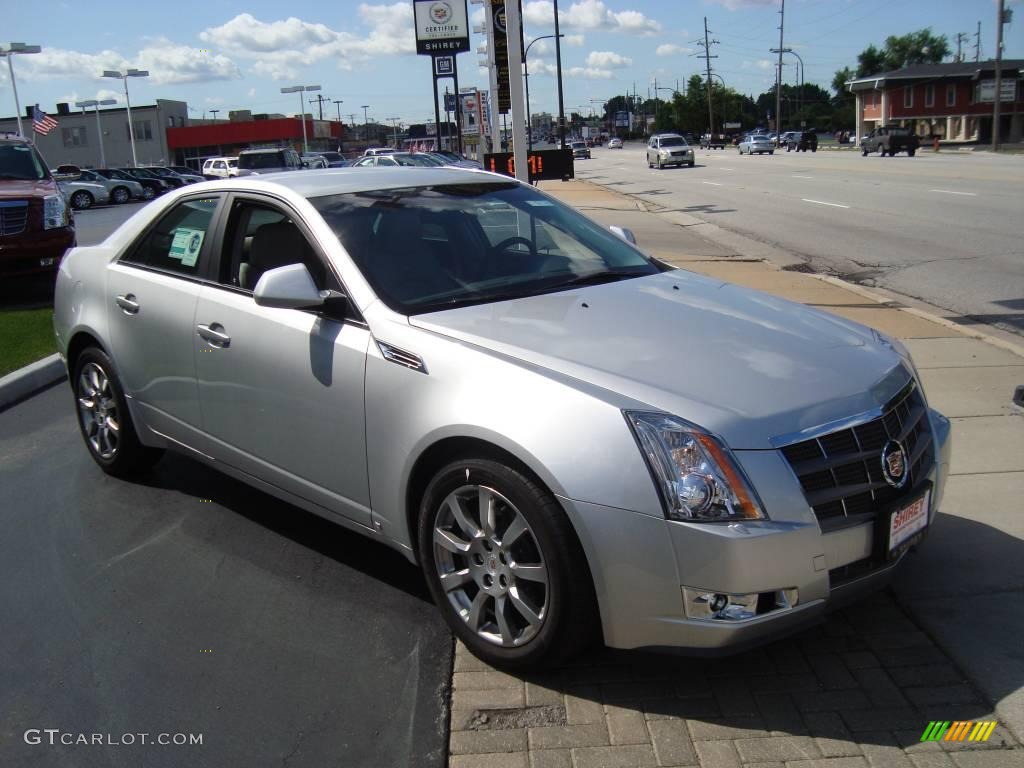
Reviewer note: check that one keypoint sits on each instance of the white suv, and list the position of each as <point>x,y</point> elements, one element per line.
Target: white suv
<point>669,149</point>
<point>220,167</point>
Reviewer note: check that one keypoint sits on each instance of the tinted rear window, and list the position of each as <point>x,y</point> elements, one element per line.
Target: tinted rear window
<point>262,160</point>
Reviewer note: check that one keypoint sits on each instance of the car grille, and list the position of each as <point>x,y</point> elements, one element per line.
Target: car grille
<point>841,472</point>
<point>678,154</point>
<point>13,217</point>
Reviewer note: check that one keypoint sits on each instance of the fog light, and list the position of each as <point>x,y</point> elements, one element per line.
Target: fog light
<point>721,606</point>
<point>47,261</point>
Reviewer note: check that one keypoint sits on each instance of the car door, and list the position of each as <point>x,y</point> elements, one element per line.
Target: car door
<point>151,295</point>
<point>281,390</point>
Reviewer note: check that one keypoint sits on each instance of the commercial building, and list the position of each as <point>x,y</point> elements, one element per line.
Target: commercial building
<point>951,101</point>
<point>76,141</point>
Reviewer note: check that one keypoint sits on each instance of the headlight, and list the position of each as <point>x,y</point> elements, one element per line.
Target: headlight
<point>55,212</point>
<point>698,478</point>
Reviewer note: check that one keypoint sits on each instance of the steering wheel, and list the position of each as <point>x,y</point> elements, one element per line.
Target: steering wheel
<point>508,242</point>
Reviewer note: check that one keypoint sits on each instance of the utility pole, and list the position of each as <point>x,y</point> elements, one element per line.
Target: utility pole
<point>961,37</point>
<point>320,99</point>
<point>977,43</point>
<point>706,45</point>
<point>778,72</point>
<point>1002,18</point>
<point>338,103</point>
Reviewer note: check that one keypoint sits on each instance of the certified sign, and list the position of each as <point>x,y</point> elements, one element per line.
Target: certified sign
<point>442,26</point>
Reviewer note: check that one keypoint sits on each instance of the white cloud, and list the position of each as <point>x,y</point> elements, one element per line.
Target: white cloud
<point>608,60</point>
<point>167,62</point>
<point>732,5</point>
<point>589,15</point>
<point>251,92</point>
<point>588,73</point>
<point>764,64</point>
<point>247,33</point>
<point>575,40</point>
<point>671,49</point>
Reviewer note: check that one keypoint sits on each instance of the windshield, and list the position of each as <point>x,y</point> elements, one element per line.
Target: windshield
<point>673,141</point>
<point>140,173</point>
<point>425,249</point>
<point>20,162</point>
<point>417,159</point>
<point>261,160</point>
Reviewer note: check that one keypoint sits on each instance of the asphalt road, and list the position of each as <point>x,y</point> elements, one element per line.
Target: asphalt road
<point>945,228</point>
<point>188,603</point>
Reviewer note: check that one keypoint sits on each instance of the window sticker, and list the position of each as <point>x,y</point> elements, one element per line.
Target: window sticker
<point>539,203</point>
<point>186,245</point>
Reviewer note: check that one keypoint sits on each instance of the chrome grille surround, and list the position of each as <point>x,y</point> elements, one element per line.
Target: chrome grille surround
<point>840,470</point>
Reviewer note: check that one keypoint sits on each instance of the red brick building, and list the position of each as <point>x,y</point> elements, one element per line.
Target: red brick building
<point>952,101</point>
<point>191,144</point>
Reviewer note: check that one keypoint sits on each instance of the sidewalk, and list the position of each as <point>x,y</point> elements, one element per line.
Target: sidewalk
<point>858,691</point>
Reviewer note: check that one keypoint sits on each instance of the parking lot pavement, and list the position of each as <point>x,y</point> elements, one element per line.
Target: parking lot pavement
<point>189,603</point>
<point>858,691</point>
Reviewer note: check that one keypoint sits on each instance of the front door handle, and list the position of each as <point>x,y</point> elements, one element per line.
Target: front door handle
<point>128,303</point>
<point>214,333</point>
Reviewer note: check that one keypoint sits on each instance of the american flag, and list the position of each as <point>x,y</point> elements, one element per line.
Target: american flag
<point>42,123</point>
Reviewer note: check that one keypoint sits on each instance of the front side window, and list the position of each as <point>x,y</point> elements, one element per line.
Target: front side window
<point>426,249</point>
<point>178,242</point>
<point>21,162</point>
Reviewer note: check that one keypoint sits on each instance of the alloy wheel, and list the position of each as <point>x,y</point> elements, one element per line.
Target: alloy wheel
<point>97,409</point>
<point>81,200</point>
<point>490,565</point>
<point>120,195</point>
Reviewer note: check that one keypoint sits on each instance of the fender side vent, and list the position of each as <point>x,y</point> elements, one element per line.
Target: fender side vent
<point>401,357</point>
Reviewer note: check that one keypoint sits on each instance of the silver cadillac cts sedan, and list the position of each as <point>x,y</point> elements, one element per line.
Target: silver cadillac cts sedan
<point>574,441</point>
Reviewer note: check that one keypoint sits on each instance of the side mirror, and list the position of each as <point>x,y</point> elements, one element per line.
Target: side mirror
<point>624,233</point>
<point>289,287</point>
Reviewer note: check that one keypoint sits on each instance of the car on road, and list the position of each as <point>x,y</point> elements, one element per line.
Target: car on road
<point>257,162</point>
<point>787,138</point>
<point>152,184</point>
<point>890,139</point>
<point>580,150</point>
<point>36,223</point>
<point>121,190</point>
<point>756,144</point>
<point>803,141</point>
<point>668,149</point>
<point>83,194</point>
<point>615,143</point>
<point>574,441</point>
<point>713,141</point>
<point>220,167</point>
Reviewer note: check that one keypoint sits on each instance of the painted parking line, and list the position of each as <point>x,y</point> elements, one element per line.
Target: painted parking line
<point>822,202</point>
<point>712,183</point>
<point>802,177</point>
<point>952,192</point>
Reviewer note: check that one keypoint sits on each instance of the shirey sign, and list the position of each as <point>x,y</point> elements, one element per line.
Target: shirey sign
<point>442,26</point>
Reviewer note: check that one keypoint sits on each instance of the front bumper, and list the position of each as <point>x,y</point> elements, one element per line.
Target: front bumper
<point>641,564</point>
<point>34,252</point>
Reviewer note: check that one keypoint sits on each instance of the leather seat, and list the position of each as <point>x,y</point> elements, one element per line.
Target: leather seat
<point>274,245</point>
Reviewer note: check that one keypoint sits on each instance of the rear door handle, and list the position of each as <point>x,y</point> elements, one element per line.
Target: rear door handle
<point>214,333</point>
<point>128,303</point>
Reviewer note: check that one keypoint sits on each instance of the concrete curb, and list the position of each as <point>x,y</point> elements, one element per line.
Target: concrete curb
<point>19,384</point>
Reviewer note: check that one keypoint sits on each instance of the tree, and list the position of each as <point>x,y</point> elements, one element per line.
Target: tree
<point>843,96</point>
<point>921,47</point>
<point>871,61</point>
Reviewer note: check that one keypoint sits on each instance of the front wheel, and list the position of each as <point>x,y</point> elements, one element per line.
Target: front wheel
<point>771,152</point>
<point>148,193</point>
<point>504,566</point>
<point>911,152</point>
<point>81,200</point>
<point>120,195</point>
<point>104,420</point>
<point>691,163</point>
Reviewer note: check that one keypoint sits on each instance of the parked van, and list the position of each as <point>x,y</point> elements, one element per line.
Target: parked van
<point>220,167</point>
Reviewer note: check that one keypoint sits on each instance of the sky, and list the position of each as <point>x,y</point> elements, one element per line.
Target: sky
<point>228,54</point>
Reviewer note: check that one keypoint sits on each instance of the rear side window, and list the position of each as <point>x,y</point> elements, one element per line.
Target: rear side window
<point>178,242</point>
<point>262,160</point>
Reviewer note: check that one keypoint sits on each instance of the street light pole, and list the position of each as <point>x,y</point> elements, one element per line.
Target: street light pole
<point>99,131</point>
<point>123,76</point>
<point>526,76</point>
<point>366,124</point>
<point>300,89</point>
<point>558,74</point>
<point>394,122</point>
<point>9,50</point>
<point>214,113</point>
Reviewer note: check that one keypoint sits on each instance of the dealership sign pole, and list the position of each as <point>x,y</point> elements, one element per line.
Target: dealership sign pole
<point>442,31</point>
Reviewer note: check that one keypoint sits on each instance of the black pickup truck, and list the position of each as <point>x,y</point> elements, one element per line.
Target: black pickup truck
<point>888,140</point>
<point>712,141</point>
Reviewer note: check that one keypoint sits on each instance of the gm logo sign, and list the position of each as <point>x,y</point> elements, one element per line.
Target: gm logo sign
<point>939,730</point>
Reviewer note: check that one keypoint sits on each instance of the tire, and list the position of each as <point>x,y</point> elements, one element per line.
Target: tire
<point>788,148</point>
<point>81,200</point>
<point>649,163</point>
<point>911,152</point>
<point>147,192</point>
<point>771,152</point>
<point>864,152</point>
<point>542,620</point>
<point>691,164</point>
<point>104,420</point>
<point>660,166</point>
<point>814,150</point>
<point>120,195</point>
<point>881,150</point>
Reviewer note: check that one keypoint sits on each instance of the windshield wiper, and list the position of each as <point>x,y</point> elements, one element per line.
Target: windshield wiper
<point>596,278</point>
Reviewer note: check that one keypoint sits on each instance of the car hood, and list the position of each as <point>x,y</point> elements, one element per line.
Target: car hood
<point>743,364</point>
<point>10,188</point>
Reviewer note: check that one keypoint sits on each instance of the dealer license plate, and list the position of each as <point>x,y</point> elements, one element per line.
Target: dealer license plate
<point>907,522</point>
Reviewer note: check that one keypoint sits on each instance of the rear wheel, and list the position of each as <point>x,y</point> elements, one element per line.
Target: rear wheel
<point>81,200</point>
<point>147,192</point>
<point>103,417</point>
<point>504,566</point>
<point>881,150</point>
<point>911,152</point>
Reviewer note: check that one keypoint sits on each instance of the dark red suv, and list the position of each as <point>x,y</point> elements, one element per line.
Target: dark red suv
<point>36,225</point>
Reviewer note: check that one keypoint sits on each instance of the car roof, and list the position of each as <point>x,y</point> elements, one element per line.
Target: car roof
<point>338,181</point>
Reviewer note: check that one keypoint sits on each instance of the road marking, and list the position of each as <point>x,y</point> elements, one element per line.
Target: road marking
<point>712,183</point>
<point>822,202</point>
<point>951,192</point>
<point>728,169</point>
<point>802,177</point>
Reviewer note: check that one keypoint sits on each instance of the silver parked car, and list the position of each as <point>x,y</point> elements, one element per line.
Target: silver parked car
<point>757,143</point>
<point>574,441</point>
<point>669,149</point>
<point>121,190</point>
<point>83,194</point>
